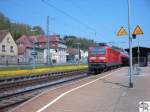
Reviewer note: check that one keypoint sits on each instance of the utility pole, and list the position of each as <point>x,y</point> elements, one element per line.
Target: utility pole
<point>48,42</point>
<point>79,53</point>
<point>130,45</point>
<point>34,53</point>
<point>78,44</point>
<point>137,31</point>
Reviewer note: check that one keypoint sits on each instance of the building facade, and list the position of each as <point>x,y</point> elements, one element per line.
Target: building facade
<point>74,56</point>
<point>8,48</point>
<point>34,49</point>
<point>29,51</point>
<point>58,53</point>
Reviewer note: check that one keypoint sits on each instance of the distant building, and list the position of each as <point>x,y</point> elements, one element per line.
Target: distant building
<point>29,50</point>
<point>58,53</point>
<point>144,53</point>
<point>8,48</point>
<point>27,44</point>
<point>84,56</point>
<point>74,55</point>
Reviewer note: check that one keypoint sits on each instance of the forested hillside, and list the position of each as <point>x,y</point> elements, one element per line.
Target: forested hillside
<point>71,41</point>
<point>18,29</point>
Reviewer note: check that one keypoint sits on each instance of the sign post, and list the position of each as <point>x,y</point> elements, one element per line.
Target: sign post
<point>138,31</point>
<point>122,32</point>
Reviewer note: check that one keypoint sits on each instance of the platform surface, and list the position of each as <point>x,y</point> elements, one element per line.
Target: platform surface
<point>101,93</point>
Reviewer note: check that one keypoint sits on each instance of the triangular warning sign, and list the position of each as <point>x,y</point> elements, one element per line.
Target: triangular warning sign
<point>122,32</point>
<point>138,31</point>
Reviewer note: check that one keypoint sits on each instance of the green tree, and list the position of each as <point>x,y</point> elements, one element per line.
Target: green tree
<point>37,30</point>
<point>71,41</point>
<point>18,29</point>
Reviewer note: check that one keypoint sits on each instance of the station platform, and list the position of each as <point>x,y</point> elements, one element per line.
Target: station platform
<point>107,92</point>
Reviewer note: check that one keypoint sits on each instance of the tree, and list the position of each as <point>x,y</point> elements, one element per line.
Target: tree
<point>18,29</point>
<point>71,41</point>
<point>36,30</point>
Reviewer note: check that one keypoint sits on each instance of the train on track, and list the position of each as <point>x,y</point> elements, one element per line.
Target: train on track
<point>103,57</point>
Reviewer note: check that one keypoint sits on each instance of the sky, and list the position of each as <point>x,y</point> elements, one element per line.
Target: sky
<point>93,19</point>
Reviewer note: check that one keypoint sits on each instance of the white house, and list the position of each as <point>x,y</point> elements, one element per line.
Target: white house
<point>57,53</point>
<point>8,48</point>
<point>74,56</point>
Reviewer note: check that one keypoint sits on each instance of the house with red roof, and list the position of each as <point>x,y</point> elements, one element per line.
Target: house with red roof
<point>29,50</point>
<point>8,48</point>
<point>30,45</point>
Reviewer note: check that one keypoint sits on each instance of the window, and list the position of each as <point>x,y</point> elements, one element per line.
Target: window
<point>2,57</point>
<point>8,40</point>
<point>97,51</point>
<point>11,49</point>
<point>3,48</point>
<point>110,51</point>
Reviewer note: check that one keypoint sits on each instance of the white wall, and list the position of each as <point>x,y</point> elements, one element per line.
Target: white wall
<point>59,55</point>
<point>8,42</point>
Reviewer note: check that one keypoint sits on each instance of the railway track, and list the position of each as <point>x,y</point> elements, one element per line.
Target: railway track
<point>18,90</point>
<point>25,91</point>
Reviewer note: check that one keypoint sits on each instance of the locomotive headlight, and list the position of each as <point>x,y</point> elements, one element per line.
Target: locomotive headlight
<point>92,58</point>
<point>102,58</point>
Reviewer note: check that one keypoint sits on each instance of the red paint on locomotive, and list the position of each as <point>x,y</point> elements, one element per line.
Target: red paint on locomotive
<point>104,57</point>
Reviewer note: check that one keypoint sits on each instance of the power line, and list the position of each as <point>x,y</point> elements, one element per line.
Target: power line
<point>70,16</point>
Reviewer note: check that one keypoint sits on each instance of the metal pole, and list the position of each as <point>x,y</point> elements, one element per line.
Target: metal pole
<point>78,53</point>
<point>34,54</point>
<point>130,46</point>
<point>48,42</point>
<point>138,53</point>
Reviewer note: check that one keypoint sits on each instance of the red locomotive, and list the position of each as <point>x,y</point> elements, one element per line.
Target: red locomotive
<point>103,57</point>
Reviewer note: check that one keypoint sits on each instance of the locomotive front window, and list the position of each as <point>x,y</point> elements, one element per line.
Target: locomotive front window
<point>97,51</point>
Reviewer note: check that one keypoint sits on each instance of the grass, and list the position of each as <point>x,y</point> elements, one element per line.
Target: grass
<point>24,71</point>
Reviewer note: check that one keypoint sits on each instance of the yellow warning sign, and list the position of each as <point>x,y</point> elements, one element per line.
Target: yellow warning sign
<point>122,32</point>
<point>138,31</point>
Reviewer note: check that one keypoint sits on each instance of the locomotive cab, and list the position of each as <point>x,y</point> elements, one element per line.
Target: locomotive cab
<point>97,59</point>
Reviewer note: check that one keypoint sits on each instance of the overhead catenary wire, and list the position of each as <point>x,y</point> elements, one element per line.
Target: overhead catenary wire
<point>70,16</point>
